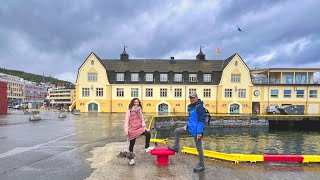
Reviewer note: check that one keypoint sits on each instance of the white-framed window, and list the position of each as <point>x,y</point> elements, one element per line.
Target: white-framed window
<point>149,92</point>
<point>85,92</point>
<point>287,93</point>
<point>313,93</point>
<point>235,78</point>
<point>300,93</point>
<point>163,92</point>
<point>99,92</point>
<point>192,77</point>
<point>178,92</point>
<point>120,92</point>
<point>206,77</point>
<point>120,76</point>
<point>192,90</point>
<point>163,77</point>
<point>178,77</point>
<point>149,77</point>
<point>228,93</point>
<point>134,77</point>
<point>274,93</point>
<point>92,77</point>
<point>134,92</point>
<point>207,93</point>
<point>242,93</point>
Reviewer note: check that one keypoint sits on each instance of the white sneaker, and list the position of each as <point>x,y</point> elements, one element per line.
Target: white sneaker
<point>131,162</point>
<point>149,149</point>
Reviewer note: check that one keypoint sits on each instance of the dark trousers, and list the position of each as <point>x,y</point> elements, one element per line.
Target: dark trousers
<point>133,141</point>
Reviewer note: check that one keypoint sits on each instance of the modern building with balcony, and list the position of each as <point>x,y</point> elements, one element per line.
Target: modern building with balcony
<point>14,88</point>
<point>61,97</point>
<point>34,95</point>
<point>20,91</point>
<point>226,86</point>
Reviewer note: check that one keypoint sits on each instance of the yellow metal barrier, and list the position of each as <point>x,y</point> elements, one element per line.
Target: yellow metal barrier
<point>236,158</point>
<point>311,158</point>
<point>253,158</point>
<point>212,154</point>
<point>162,141</point>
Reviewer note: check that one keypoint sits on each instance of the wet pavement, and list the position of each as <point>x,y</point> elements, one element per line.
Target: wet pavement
<point>53,148</point>
<point>85,147</point>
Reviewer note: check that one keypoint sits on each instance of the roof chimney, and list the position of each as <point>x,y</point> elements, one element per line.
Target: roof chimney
<point>172,61</point>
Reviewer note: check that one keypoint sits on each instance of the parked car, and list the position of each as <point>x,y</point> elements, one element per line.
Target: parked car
<point>10,106</point>
<point>273,109</point>
<point>17,107</point>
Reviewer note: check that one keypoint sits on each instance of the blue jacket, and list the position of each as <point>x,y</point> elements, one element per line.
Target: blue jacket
<point>197,116</point>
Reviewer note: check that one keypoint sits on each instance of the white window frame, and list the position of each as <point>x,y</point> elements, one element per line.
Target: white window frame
<point>134,92</point>
<point>313,95</point>
<point>163,92</point>
<point>235,78</point>
<point>163,77</point>
<point>177,92</point>
<point>85,92</point>
<point>300,95</point>
<point>149,77</point>
<point>135,77</point>
<point>120,92</point>
<point>228,93</point>
<point>206,77</point>
<point>192,77</point>
<point>287,95</point>
<point>92,77</point>
<point>149,92</point>
<point>120,76</point>
<point>242,93</point>
<point>274,95</point>
<point>192,90</point>
<point>206,93</point>
<point>99,92</point>
<point>178,77</point>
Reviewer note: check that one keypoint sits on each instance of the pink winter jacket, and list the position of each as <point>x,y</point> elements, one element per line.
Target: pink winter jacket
<point>127,119</point>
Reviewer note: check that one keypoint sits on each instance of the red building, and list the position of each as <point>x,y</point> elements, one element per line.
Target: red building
<point>3,98</point>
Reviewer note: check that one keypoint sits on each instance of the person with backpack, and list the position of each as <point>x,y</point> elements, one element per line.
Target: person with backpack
<point>194,126</point>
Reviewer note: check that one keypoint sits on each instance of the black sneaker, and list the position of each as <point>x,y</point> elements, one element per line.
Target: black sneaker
<point>199,168</point>
<point>174,148</point>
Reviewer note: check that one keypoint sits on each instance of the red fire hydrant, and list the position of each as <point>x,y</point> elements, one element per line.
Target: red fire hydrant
<point>162,154</point>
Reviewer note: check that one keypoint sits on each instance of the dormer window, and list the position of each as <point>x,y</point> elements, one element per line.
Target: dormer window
<point>207,78</point>
<point>134,77</point>
<point>192,77</point>
<point>120,76</point>
<point>149,77</point>
<point>163,77</point>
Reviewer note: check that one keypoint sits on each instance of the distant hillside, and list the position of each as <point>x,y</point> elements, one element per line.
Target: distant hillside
<point>35,77</point>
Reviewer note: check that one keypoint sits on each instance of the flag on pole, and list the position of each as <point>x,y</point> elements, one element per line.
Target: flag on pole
<point>218,52</point>
<point>239,29</point>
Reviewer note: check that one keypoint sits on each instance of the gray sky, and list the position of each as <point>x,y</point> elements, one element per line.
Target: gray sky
<point>55,37</point>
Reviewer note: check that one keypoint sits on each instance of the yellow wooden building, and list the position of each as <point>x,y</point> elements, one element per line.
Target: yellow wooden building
<point>163,85</point>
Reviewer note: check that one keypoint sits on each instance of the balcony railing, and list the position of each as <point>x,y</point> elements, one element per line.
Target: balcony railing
<point>278,81</point>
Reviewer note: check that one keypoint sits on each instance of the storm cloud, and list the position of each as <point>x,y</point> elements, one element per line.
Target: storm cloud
<point>55,37</point>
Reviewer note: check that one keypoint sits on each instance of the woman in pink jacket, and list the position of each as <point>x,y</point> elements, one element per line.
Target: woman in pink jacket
<point>135,125</point>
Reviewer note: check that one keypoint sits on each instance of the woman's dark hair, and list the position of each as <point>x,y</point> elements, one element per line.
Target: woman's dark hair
<point>132,103</point>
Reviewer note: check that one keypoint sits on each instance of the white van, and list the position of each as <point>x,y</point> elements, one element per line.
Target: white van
<point>272,109</point>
